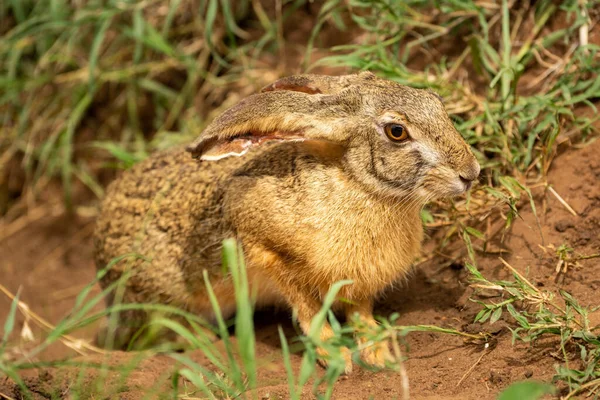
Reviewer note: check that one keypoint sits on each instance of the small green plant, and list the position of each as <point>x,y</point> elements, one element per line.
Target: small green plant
<point>567,258</point>
<point>538,313</point>
<point>527,390</point>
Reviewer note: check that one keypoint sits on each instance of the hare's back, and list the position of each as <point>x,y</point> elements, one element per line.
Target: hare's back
<point>166,209</point>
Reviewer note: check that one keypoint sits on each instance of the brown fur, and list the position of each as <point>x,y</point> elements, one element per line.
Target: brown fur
<point>329,198</point>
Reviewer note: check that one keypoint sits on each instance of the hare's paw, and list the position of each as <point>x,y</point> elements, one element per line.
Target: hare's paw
<point>324,357</point>
<point>377,355</point>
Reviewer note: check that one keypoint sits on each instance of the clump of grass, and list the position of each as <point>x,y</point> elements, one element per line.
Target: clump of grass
<point>567,259</point>
<point>79,81</point>
<point>539,314</point>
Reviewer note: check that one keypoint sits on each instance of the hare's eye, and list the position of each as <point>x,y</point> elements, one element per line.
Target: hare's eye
<point>396,132</point>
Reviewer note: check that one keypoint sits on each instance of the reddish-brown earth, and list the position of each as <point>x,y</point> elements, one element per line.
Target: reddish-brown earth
<point>50,260</point>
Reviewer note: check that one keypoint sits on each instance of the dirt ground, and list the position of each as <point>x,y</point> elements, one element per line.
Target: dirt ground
<point>50,261</point>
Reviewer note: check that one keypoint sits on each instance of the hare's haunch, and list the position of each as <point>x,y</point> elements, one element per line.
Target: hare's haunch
<point>320,178</point>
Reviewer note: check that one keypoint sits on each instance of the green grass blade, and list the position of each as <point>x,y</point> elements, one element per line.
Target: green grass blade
<point>244,323</point>
<point>95,51</point>
<point>9,324</point>
<point>288,365</point>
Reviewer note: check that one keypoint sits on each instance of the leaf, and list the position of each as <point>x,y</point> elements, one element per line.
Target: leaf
<point>469,245</point>
<point>9,324</point>
<point>244,323</point>
<point>426,216</point>
<point>496,315</point>
<point>485,315</point>
<point>287,364</point>
<point>518,317</point>
<point>475,232</point>
<point>234,372</point>
<point>126,157</point>
<point>526,390</point>
<point>572,302</point>
<point>512,185</point>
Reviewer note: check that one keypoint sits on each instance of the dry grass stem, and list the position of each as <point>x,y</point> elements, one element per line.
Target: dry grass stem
<point>562,201</point>
<point>486,351</point>
<point>72,342</point>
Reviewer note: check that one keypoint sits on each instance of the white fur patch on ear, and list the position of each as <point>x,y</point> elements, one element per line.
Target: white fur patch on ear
<point>236,147</point>
<point>240,146</point>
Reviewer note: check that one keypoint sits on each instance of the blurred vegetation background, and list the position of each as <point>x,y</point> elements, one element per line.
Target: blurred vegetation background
<point>88,87</point>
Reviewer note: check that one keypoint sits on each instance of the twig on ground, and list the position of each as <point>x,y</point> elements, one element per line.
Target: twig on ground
<point>584,28</point>
<point>595,382</point>
<point>6,397</point>
<point>517,273</point>
<point>486,351</point>
<point>403,374</point>
<point>578,258</point>
<point>562,201</point>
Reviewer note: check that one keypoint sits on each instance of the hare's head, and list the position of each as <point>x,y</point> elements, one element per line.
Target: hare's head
<point>398,141</point>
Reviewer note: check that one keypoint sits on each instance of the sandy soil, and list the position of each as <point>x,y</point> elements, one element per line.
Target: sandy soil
<point>50,260</point>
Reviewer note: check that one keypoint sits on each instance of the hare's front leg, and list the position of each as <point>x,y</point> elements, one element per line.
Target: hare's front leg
<point>377,353</point>
<point>297,294</point>
<point>306,308</point>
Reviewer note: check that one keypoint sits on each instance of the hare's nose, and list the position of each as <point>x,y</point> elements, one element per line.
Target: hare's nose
<point>466,182</point>
<point>468,178</point>
<point>470,174</point>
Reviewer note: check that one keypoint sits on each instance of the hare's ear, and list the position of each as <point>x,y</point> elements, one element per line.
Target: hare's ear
<point>317,84</point>
<point>274,115</point>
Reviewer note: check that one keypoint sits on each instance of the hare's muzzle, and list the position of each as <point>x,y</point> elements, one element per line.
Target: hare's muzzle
<point>470,174</point>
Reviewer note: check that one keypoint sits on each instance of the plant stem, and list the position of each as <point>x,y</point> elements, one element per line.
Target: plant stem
<point>581,388</point>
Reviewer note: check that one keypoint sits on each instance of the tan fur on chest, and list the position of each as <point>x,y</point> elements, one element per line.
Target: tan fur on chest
<point>346,234</point>
<point>362,239</point>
